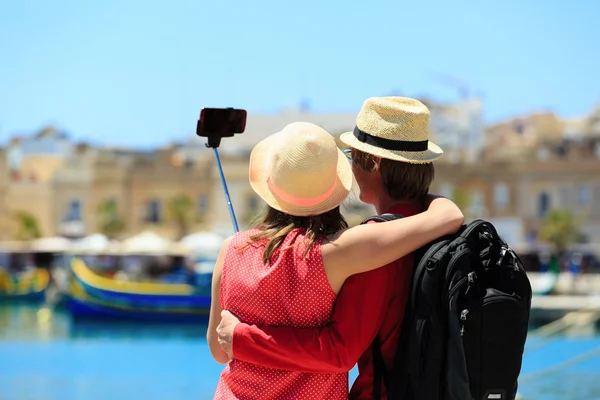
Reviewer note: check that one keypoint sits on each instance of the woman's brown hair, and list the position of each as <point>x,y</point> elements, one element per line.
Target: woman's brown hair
<point>275,225</point>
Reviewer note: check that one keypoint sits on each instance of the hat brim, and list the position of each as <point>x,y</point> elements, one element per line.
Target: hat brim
<point>432,153</point>
<point>258,182</point>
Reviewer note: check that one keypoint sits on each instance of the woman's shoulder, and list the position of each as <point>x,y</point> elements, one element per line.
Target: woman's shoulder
<point>244,235</point>
<point>241,240</point>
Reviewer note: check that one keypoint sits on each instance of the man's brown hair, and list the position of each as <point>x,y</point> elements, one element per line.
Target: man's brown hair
<point>402,181</point>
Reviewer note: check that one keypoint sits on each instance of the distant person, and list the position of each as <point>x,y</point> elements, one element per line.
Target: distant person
<point>289,270</point>
<point>392,163</point>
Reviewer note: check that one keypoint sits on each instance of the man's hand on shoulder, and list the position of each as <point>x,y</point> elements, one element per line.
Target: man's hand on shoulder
<point>225,331</point>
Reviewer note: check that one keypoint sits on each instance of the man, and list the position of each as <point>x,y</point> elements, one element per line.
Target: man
<point>392,162</point>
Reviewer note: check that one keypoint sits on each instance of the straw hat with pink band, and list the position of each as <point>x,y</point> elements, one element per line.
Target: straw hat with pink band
<point>300,170</point>
<point>396,128</point>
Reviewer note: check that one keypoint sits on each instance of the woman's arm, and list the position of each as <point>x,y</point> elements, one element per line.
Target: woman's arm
<point>215,308</point>
<point>369,246</point>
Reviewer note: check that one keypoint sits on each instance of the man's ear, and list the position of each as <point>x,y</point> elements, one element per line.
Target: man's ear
<point>376,163</point>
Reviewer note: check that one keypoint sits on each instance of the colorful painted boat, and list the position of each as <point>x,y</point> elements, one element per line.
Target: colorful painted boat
<point>31,286</point>
<point>92,295</point>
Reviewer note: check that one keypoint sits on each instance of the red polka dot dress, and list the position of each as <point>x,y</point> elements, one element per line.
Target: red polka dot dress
<point>290,290</point>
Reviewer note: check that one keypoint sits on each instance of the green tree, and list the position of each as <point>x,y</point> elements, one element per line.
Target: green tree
<point>463,199</point>
<point>560,230</point>
<point>27,226</point>
<point>110,223</point>
<point>181,211</point>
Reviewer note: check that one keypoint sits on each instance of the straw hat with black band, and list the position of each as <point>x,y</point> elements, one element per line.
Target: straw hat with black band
<point>300,170</point>
<point>396,128</point>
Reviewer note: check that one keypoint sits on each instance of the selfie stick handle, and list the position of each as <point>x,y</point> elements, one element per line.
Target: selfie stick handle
<point>231,213</point>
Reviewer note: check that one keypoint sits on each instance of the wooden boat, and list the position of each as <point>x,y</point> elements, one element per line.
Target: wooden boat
<point>31,286</point>
<point>92,295</point>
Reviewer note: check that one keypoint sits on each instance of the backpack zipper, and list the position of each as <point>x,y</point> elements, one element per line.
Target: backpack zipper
<point>463,317</point>
<point>436,247</point>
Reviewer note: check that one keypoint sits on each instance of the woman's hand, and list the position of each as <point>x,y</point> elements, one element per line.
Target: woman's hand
<point>225,332</point>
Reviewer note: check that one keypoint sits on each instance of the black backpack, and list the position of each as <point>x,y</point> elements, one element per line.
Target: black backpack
<point>465,326</point>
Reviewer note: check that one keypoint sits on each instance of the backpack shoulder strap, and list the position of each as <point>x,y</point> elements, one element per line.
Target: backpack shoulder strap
<point>382,218</point>
<point>380,374</point>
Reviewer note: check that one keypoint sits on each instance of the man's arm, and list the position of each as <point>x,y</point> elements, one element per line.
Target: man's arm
<point>359,310</point>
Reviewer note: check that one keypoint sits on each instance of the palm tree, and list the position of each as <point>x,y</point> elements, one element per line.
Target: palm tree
<point>28,227</point>
<point>110,223</point>
<point>462,199</point>
<point>181,211</point>
<point>560,230</point>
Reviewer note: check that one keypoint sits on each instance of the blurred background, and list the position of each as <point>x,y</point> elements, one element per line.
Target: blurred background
<point>110,202</point>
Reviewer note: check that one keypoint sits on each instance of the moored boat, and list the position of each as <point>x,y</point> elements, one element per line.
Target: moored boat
<point>93,295</point>
<point>27,286</point>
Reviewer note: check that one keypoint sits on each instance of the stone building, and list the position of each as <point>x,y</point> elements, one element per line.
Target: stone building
<point>527,167</point>
<point>64,192</point>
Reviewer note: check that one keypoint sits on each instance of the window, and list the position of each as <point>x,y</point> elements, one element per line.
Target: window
<point>202,204</point>
<point>476,204</point>
<point>501,195</point>
<point>543,204</point>
<point>584,195</point>
<point>519,128</point>
<point>477,200</point>
<point>447,190</point>
<point>73,211</point>
<point>153,212</point>
<point>15,156</point>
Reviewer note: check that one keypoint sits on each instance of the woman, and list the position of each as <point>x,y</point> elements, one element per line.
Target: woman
<point>288,271</point>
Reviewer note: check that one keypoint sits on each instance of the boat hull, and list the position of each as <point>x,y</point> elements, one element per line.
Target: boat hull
<point>93,296</point>
<point>31,288</point>
<point>86,309</point>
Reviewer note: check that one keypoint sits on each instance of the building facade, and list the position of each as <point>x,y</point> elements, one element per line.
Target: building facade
<point>519,171</point>
<point>561,177</point>
<point>65,194</point>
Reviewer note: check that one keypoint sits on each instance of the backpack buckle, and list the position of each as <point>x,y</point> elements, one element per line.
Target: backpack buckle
<point>471,277</point>
<point>503,251</point>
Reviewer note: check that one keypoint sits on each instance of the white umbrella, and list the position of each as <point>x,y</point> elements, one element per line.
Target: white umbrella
<point>147,243</point>
<point>55,244</point>
<point>203,244</point>
<point>95,244</point>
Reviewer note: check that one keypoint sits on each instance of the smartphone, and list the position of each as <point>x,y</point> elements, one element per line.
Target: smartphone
<point>221,122</point>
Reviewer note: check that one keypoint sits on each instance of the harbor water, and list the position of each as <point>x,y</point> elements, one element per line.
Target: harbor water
<point>47,356</point>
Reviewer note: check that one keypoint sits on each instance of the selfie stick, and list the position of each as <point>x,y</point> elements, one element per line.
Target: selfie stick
<point>214,143</point>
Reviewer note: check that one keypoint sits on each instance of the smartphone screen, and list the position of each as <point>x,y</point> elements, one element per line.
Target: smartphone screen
<point>221,122</point>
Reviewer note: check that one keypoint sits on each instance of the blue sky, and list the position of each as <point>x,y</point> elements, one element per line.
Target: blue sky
<point>138,72</point>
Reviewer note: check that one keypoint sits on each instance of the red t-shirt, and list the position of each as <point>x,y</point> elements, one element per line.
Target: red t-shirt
<point>369,304</point>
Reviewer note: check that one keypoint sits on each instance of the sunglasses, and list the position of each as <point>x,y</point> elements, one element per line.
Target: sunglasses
<point>348,154</point>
